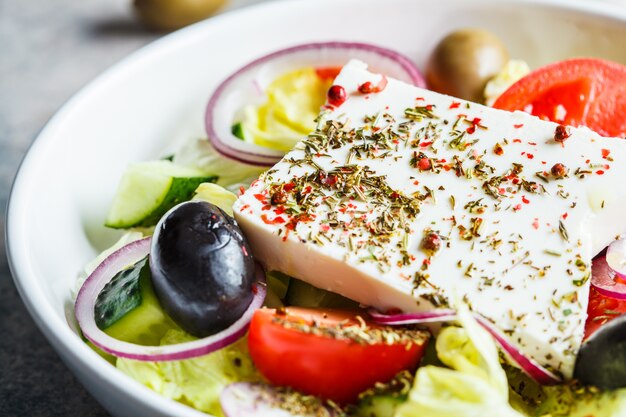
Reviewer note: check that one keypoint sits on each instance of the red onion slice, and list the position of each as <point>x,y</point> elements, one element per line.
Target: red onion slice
<point>528,365</point>
<point>245,87</point>
<point>246,399</point>
<point>434,316</point>
<point>122,258</point>
<point>609,271</point>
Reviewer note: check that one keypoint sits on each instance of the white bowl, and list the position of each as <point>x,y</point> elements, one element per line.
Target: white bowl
<point>149,102</point>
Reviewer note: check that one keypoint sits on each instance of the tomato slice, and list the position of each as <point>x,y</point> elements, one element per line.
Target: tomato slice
<point>327,73</point>
<point>305,349</point>
<point>601,309</point>
<point>578,92</point>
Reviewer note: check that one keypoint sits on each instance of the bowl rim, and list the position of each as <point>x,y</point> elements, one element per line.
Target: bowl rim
<point>57,330</point>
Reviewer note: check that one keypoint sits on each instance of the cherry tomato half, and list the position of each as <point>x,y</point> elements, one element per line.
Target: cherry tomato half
<point>601,309</point>
<point>288,351</point>
<point>578,92</point>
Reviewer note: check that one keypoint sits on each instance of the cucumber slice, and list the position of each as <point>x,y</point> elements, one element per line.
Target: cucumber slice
<point>278,283</point>
<point>272,300</point>
<point>214,194</point>
<point>302,294</point>
<point>149,189</point>
<point>379,405</point>
<point>120,295</point>
<point>237,131</point>
<point>383,399</point>
<point>146,323</point>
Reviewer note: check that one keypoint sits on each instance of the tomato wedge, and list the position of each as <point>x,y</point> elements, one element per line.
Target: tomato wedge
<point>328,73</point>
<point>578,92</point>
<point>332,354</point>
<point>601,309</point>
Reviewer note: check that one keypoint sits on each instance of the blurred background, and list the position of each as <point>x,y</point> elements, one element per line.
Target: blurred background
<point>48,50</point>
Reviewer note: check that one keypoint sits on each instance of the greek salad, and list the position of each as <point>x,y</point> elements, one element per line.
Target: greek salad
<point>353,238</point>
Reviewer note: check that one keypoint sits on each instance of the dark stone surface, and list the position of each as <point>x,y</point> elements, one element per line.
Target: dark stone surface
<point>48,50</point>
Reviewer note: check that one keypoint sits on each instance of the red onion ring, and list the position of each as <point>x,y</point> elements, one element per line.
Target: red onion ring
<point>528,365</point>
<point>433,316</point>
<point>247,399</point>
<point>123,257</point>
<point>225,100</point>
<point>607,271</point>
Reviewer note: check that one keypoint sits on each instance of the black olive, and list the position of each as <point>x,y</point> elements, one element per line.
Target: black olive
<point>601,360</point>
<point>202,268</point>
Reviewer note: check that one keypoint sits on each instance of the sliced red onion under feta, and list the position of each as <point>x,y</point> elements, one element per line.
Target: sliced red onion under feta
<point>246,399</point>
<point>433,316</point>
<point>117,261</point>
<point>529,366</point>
<point>609,271</point>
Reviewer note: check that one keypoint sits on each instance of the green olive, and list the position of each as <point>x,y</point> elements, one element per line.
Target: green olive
<point>464,61</point>
<point>174,14</point>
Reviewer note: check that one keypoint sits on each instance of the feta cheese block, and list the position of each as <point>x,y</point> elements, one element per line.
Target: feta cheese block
<point>412,200</point>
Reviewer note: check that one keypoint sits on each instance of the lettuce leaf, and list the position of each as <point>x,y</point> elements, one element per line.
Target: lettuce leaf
<point>196,382</point>
<point>214,194</point>
<point>512,71</point>
<point>124,240</point>
<point>199,153</point>
<point>293,103</point>
<point>572,401</point>
<point>474,386</point>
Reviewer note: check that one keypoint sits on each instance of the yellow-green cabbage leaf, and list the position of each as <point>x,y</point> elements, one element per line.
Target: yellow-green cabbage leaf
<point>196,382</point>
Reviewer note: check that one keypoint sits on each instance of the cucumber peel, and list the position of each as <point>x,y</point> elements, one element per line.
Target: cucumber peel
<point>303,294</point>
<point>127,308</point>
<point>237,131</point>
<point>120,295</point>
<point>384,405</point>
<point>278,283</point>
<point>148,190</point>
<point>383,399</point>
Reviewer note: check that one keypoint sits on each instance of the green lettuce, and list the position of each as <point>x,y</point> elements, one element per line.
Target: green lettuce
<point>199,154</point>
<point>474,386</point>
<point>196,382</point>
<point>572,401</point>
<point>124,240</point>
<point>215,194</point>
